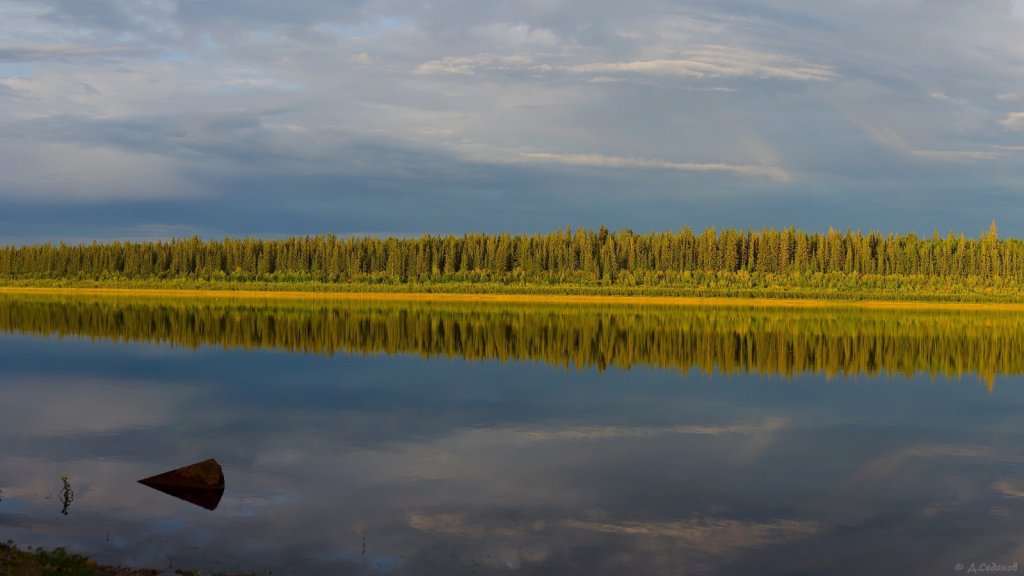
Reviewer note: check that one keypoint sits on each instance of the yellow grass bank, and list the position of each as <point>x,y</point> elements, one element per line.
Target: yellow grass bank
<point>518,298</point>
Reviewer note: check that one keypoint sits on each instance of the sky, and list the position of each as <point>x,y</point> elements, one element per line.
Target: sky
<point>144,119</point>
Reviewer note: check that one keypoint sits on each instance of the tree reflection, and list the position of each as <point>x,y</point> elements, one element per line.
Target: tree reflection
<point>833,341</point>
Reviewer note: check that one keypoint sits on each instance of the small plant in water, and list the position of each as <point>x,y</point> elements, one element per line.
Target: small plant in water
<point>67,496</point>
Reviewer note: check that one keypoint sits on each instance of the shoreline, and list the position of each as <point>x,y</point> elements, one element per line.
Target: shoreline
<point>592,299</point>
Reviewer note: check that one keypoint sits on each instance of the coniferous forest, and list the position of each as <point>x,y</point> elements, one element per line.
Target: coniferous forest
<point>764,262</point>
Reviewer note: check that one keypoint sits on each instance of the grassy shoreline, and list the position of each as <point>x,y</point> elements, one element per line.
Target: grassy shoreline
<point>845,287</point>
<point>15,561</point>
<point>289,293</point>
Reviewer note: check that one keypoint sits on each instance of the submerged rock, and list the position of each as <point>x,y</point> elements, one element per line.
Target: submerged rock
<point>201,483</point>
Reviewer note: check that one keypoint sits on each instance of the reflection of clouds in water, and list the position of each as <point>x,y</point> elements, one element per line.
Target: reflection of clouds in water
<point>510,542</point>
<point>454,524</point>
<point>710,535</point>
<point>715,536</point>
<point>1009,488</point>
<point>504,542</point>
<point>893,464</point>
<point>436,457</point>
<point>469,485</point>
<point>756,437</point>
<point>39,406</point>
<point>641,480</point>
<point>609,432</point>
<point>929,477</point>
<point>890,465</point>
<point>482,469</point>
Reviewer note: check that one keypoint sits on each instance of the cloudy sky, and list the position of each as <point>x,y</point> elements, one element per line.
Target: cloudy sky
<point>160,118</point>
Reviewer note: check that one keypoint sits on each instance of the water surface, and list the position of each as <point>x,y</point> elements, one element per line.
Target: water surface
<point>367,437</point>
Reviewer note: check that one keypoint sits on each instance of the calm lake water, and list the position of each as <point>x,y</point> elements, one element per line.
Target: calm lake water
<point>362,438</point>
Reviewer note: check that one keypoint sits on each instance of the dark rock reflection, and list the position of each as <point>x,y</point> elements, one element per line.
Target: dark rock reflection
<point>201,483</point>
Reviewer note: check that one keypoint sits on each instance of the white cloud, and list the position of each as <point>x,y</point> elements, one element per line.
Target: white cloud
<point>956,155</point>
<point>363,58</point>
<point>516,35</point>
<point>602,161</point>
<point>471,65</point>
<point>1018,8</point>
<point>709,61</point>
<point>714,61</point>
<point>889,137</point>
<point>1013,121</point>
<point>1007,96</point>
<point>107,91</point>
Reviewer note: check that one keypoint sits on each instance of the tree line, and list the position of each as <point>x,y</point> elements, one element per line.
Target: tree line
<point>580,256</point>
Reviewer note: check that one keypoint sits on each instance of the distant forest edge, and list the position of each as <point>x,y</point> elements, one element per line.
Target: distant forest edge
<point>759,263</point>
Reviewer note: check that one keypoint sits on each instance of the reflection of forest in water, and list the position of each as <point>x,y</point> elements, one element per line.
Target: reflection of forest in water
<point>836,341</point>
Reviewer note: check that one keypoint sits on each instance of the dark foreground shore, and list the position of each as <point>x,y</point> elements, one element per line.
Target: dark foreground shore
<point>15,561</point>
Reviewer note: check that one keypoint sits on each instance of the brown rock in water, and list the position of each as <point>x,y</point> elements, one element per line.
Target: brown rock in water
<point>201,483</point>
